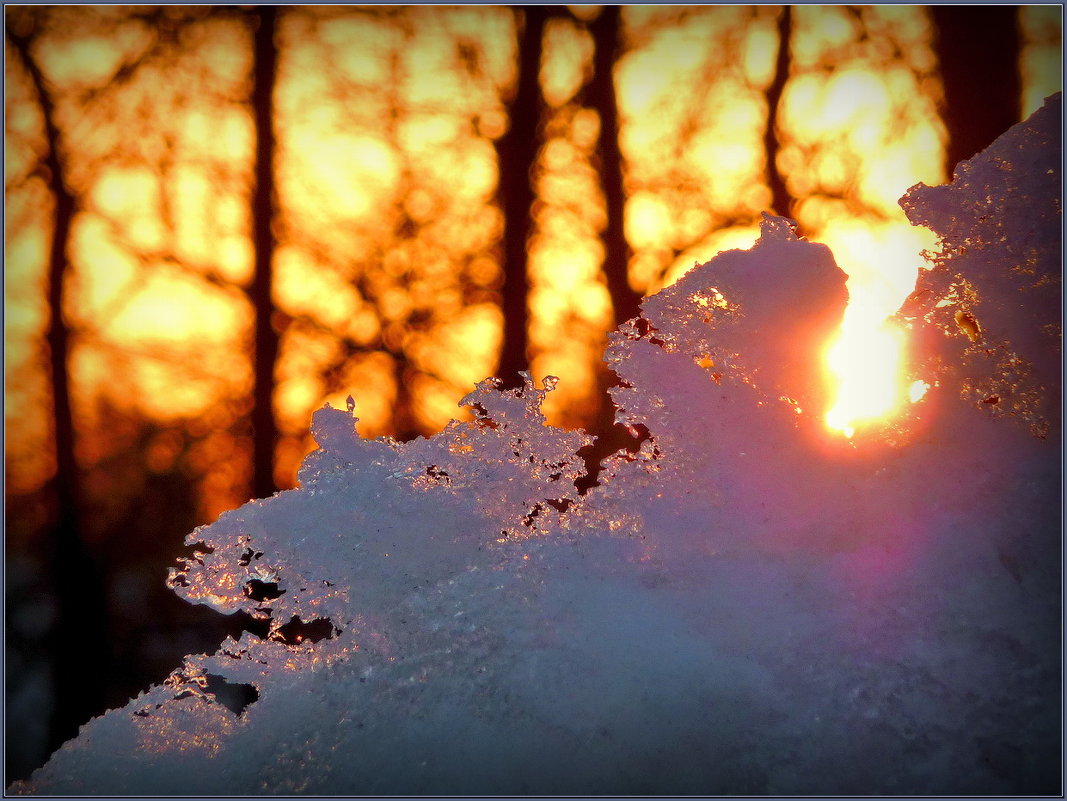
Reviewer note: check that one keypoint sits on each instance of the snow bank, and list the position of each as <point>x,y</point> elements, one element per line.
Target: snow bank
<point>749,605</point>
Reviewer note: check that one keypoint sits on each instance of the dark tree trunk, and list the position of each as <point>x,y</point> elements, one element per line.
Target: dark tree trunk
<point>80,655</point>
<point>517,156</point>
<point>601,93</point>
<point>264,428</point>
<point>781,201</point>
<point>978,50</point>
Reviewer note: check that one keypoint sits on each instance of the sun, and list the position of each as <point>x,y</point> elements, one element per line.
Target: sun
<point>867,362</point>
<point>866,359</point>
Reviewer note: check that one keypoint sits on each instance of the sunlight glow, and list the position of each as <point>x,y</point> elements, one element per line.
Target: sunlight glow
<point>882,261</point>
<point>867,361</point>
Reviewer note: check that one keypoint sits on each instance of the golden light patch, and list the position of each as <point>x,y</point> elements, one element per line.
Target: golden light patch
<point>867,362</point>
<point>866,358</point>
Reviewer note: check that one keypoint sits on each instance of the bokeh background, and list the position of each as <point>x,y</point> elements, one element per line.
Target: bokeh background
<point>219,218</point>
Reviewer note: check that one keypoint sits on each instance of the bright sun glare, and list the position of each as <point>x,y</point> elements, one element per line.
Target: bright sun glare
<point>867,363</point>
<point>866,358</point>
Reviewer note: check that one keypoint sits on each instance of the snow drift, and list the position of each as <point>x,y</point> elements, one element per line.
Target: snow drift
<point>747,605</point>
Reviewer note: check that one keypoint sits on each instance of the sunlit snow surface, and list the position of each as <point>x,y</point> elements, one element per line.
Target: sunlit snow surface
<point>749,605</point>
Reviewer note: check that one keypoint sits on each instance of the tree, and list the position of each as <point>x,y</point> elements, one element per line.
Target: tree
<point>781,201</point>
<point>264,427</point>
<point>978,50</point>
<point>79,588</point>
<point>601,95</point>
<point>517,156</point>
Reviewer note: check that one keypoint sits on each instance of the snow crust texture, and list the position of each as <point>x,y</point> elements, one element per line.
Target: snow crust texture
<point>994,291</point>
<point>747,605</point>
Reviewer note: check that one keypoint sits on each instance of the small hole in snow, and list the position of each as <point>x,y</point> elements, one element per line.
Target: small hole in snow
<point>262,590</point>
<point>296,631</point>
<point>618,438</point>
<point>528,520</point>
<point>247,556</point>
<point>643,327</point>
<point>234,696</point>
<point>437,474</point>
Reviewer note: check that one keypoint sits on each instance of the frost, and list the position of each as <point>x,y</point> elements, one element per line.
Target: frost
<point>746,605</point>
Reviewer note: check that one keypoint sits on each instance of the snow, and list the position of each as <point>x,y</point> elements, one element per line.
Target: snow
<point>1003,209</point>
<point>748,605</point>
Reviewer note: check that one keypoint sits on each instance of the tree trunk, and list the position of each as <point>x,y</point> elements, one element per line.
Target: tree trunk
<point>781,201</point>
<point>517,157</point>
<point>601,92</point>
<point>264,427</point>
<point>978,50</point>
<point>80,656</point>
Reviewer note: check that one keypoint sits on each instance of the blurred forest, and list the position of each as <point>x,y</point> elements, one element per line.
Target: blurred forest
<point>219,218</point>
